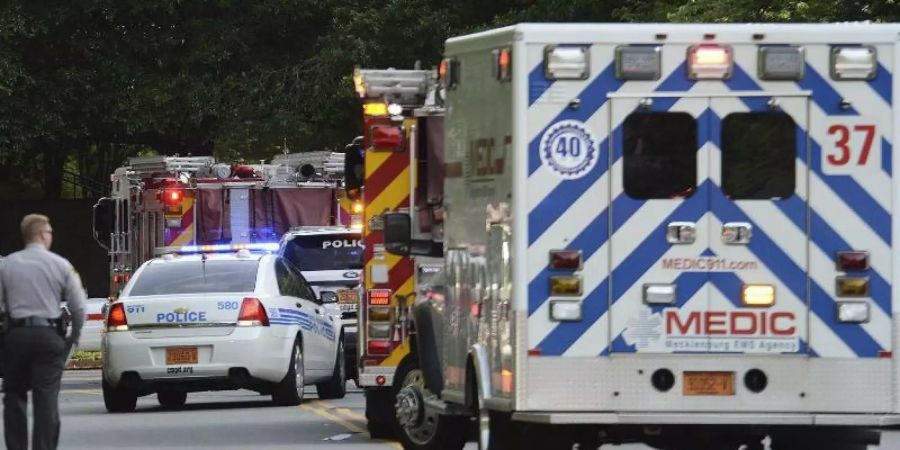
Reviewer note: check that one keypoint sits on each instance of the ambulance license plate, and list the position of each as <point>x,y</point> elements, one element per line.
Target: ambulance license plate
<point>347,296</point>
<point>181,355</point>
<point>709,383</point>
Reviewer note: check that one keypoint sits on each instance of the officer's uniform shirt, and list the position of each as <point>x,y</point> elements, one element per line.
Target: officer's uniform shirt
<point>35,280</point>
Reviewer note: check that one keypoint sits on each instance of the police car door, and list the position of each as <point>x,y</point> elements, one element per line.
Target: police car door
<point>323,326</point>
<point>299,309</point>
<point>759,224</point>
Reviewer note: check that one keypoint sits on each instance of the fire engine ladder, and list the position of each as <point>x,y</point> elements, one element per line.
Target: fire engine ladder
<point>404,87</point>
<point>151,165</point>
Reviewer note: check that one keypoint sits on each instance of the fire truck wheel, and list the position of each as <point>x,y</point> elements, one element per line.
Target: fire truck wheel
<point>378,408</point>
<point>289,392</point>
<point>118,400</point>
<point>416,427</point>
<point>336,387</point>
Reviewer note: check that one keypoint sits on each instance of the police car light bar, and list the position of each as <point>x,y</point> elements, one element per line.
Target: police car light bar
<point>219,248</point>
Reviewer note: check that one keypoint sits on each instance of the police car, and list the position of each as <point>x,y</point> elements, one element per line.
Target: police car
<point>221,321</point>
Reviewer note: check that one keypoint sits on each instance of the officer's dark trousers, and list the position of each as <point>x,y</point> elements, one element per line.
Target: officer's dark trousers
<point>33,359</point>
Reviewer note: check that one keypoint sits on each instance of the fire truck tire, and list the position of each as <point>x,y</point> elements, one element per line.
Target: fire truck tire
<point>336,387</point>
<point>380,413</point>
<point>118,400</point>
<point>430,431</point>
<point>289,391</point>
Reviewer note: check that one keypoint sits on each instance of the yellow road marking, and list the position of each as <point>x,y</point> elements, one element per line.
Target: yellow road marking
<point>327,415</point>
<point>347,413</point>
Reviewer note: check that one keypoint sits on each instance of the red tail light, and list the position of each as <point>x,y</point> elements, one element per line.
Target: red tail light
<point>387,138</point>
<point>379,347</point>
<point>252,313</point>
<point>172,197</point>
<point>117,320</point>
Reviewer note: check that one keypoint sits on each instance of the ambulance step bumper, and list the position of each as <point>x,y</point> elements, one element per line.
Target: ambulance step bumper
<point>604,418</point>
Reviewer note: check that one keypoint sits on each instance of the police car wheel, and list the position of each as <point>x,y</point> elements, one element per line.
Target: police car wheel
<point>336,386</point>
<point>289,392</point>
<point>118,400</point>
<point>171,399</point>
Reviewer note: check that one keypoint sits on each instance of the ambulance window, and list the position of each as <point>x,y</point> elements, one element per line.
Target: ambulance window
<point>759,153</point>
<point>660,155</point>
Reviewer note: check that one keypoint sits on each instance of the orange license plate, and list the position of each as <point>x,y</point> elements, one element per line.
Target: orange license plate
<point>709,383</point>
<point>181,355</point>
<point>347,296</point>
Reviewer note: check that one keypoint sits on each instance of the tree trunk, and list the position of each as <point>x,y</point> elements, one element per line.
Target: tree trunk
<point>55,156</point>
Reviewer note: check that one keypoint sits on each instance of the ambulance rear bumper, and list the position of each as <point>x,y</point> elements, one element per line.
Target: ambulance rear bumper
<point>799,419</point>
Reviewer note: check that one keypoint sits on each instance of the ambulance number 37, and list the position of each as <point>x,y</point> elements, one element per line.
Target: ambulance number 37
<point>847,147</point>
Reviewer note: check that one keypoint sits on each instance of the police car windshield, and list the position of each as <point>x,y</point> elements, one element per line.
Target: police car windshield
<point>325,252</point>
<point>195,277</point>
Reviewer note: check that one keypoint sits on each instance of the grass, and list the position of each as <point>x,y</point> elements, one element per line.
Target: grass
<point>86,355</point>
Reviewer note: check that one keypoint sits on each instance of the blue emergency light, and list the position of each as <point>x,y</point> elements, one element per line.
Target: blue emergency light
<point>220,248</point>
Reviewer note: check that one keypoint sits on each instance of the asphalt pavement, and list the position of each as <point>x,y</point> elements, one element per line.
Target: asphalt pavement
<point>228,420</point>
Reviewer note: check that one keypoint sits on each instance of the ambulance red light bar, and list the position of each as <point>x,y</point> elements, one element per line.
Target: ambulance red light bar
<point>709,62</point>
<point>503,64</point>
<point>853,261</point>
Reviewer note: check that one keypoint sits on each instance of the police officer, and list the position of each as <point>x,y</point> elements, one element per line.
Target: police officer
<point>33,283</point>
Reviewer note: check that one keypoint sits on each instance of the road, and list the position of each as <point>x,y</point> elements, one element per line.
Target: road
<point>227,420</point>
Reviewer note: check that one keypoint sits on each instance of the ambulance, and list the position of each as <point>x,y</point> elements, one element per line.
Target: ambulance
<point>679,235</point>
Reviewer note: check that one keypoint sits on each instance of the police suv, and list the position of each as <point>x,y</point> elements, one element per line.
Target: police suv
<point>331,259</point>
<point>197,320</point>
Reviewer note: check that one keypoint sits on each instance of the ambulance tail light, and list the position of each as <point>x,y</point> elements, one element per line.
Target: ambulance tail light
<point>758,295</point>
<point>853,312</point>
<point>852,286</point>
<point>709,62</point>
<point>380,314</point>
<point>565,310</point>
<point>387,138</point>
<point>853,261</point>
<point>379,297</point>
<point>565,259</point>
<point>116,321</point>
<point>448,72</point>
<point>569,285</point>
<point>252,314</point>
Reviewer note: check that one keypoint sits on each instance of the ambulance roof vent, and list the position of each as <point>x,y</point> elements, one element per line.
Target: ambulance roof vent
<point>405,87</point>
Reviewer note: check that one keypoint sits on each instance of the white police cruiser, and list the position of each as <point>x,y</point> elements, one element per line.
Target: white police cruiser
<point>220,321</point>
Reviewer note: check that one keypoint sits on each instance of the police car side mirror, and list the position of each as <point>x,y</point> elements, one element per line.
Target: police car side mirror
<point>327,297</point>
<point>397,233</point>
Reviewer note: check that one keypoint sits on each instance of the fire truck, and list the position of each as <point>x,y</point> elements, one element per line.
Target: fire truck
<point>171,201</point>
<point>679,235</point>
<point>395,168</point>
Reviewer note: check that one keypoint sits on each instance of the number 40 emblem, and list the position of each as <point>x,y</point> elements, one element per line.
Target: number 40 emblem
<point>568,149</point>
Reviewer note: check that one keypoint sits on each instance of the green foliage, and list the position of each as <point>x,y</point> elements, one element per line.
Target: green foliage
<point>86,83</point>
